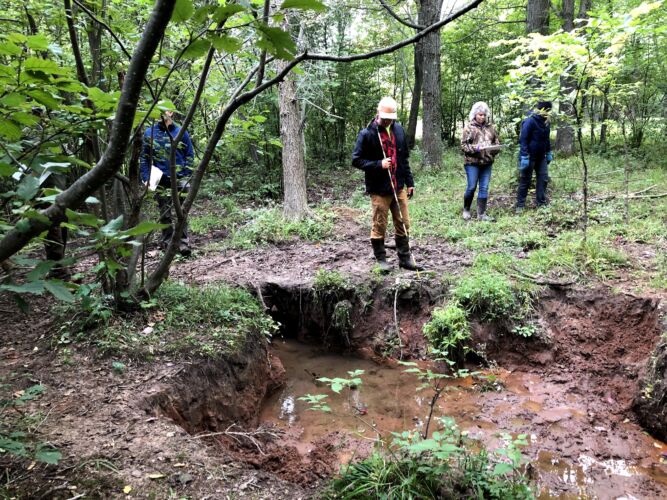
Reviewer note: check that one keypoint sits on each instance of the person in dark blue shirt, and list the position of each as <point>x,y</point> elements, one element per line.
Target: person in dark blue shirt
<point>156,150</point>
<point>534,155</point>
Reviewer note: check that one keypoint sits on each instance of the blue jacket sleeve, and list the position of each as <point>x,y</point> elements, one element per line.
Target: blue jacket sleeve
<point>189,150</point>
<point>145,156</point>
<point>524,137</point>
<point>360,148</point>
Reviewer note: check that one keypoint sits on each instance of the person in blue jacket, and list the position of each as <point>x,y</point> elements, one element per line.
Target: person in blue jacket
<point>534,155</point>
<point>155,152</point>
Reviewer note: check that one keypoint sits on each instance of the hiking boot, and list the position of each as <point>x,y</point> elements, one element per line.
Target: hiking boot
<point>481,211</point>
<point>467,201</point>
<point>380,254</point>
<point>405,259</point>
<point>518,210</point>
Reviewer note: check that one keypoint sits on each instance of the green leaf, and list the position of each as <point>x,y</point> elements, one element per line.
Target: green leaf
<point>6,170</point>
<point>10,49</point>
<point>41,270</point>
<point>82,218</point>
<point>27,119</point>
<point>303,5</point>
<point>47,454</point>
<point>12,446</point>
<point>112,228</point>
<point>144,227</point>
<point>196,49</point>
<point>9,130</point>
<point>277,42</point>
<point>27,188</point>
<point>36,287</point>
<point>59,291</point>
<point>183,11</point>
<point>38,42</point>
<point>12,100</point>
<point>160,72</point>
<point>502,468</point>
<point>225,12</point>
<point>226,43</point>
<point>44,98</point>
<point>39,65</point>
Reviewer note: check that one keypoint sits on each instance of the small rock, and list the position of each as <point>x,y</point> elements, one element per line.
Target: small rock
<point>148,330</point>
<point>136,473</point>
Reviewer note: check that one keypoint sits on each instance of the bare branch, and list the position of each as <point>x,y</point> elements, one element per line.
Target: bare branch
<point>400,19</point>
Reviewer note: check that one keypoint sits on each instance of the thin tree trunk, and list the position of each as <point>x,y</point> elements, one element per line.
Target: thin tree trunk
<point>417,89</point>
<point>537,17</point>
<point>431,91</point>
<point>565,133</point>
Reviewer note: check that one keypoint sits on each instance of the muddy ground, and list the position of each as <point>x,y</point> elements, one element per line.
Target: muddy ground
<point>570,389</point>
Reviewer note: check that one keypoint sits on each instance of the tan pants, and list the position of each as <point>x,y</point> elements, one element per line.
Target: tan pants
<point>381,206</point>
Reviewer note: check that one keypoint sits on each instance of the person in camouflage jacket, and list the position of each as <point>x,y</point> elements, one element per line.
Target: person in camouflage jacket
<point>478,136</point>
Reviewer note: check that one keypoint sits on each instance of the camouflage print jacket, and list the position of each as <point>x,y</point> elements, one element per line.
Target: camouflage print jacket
<point>478,136</point>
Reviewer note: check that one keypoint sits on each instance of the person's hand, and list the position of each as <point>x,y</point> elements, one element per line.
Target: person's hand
<point>477,148</point>
<point>411,192</point>
<point>386,163</point>
<point>524,162</point>
<point>550,157</point>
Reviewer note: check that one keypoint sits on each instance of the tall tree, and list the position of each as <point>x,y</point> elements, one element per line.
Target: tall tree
<point>431,99</point>
<point>537,17</point>
<point>565,133</point>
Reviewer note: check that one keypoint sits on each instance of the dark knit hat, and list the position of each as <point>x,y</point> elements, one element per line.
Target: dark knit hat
<point>545,105</point>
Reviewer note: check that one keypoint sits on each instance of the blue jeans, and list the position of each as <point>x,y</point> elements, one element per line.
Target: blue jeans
<point>481,174</point>
<point>541,168</point>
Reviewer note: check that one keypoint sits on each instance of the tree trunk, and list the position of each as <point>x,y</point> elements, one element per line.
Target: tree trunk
<point>537,16</point>
<point>565,133</point>
<point>432,141</point>
<point>417,89</point>
<point>294,164</point>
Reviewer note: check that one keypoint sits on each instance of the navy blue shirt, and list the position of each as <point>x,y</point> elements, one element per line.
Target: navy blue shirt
<point>534,139</point>
<point>156,136</point>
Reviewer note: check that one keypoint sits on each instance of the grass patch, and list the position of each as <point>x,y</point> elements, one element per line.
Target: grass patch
<point>269,226</point>
<point>205,322</point>
<point>448,330</point>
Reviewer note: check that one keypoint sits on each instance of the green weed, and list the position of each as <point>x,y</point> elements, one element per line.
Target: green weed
<point>448,330</point>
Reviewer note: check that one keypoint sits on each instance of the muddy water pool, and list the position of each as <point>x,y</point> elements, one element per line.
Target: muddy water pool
<point>573,454</point>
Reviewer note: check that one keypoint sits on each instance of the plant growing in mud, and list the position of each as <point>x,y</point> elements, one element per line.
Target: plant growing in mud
<point>446,465</point>
<point>448,331</point>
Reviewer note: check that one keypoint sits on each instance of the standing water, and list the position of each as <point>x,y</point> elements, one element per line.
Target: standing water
<point>388,400</point>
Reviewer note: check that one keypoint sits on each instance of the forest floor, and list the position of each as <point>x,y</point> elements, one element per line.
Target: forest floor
<point>570,385</point>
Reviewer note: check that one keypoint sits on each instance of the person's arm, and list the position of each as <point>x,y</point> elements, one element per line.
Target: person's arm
<point>360,150</point>
<point>467,142</point>
<point>145,158</point>
<point>495,141</point>
<point>524,138</point>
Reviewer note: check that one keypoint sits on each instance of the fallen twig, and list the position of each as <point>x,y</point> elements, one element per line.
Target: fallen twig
<point>249,435</point>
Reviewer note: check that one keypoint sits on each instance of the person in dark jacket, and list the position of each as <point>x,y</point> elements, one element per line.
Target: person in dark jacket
<point>382,153</point>
<point>480,145</point>
<point>155,153</point>
<point>534,155</point>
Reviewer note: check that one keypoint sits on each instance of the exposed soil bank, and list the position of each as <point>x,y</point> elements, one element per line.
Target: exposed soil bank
<point>651,402</point>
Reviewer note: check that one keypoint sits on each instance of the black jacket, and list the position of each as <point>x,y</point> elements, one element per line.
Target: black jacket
<point>367,156</point>
<point>534,138</point>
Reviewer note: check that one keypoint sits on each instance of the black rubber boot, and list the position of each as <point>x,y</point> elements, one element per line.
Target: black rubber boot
<point>380,254</point>
<point>405,259</point>
<point>481,211</point>
<point>467,201</point>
